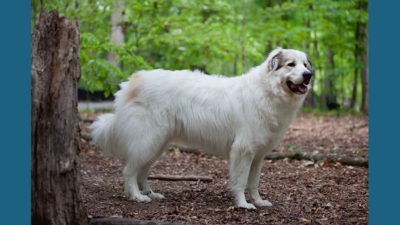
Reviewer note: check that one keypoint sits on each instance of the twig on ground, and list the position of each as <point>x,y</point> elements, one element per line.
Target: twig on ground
<point>86,137</point>
<point>88,120</point>
<point>180,178</point>
<point>359,126</point>
<point>345,160</point>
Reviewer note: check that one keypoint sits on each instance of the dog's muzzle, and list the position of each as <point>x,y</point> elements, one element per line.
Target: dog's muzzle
<point>302,87</point>
<point>297,88</point>
<point>307,77</point>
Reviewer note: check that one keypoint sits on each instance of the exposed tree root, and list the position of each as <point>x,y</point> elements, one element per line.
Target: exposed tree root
<point>180,178</point>
<point>343,159</point>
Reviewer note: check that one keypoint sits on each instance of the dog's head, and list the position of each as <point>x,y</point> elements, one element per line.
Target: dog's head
<point>292,69</point>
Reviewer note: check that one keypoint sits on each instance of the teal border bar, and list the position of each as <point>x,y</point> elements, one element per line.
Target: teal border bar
<point>384,78</point>
<point>15,133</point>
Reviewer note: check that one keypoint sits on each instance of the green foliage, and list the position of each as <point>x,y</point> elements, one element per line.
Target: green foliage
<point>294,148</point>
<point>207,35</point>
<point>100,74</point>
<point>89,110</point>
<point>319,112</point>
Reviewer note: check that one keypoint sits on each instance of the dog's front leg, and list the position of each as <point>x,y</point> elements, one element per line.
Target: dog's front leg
<point>254,180</point>
<point>240,161</point>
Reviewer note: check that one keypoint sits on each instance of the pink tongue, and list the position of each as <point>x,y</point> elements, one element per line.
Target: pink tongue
<point>301,88</point>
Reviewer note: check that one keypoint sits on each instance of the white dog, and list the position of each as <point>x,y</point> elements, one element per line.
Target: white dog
<point>239,118</point>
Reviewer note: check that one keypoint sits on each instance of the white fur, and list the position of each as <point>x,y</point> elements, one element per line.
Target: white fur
<point>239,118</point>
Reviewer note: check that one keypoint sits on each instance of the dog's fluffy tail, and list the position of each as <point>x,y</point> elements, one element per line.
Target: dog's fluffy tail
<point>103,133</point>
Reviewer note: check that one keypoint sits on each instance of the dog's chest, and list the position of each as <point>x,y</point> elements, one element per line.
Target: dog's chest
<point>272,128</point>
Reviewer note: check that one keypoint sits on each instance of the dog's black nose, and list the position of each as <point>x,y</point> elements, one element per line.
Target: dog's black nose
<point>307,77</point>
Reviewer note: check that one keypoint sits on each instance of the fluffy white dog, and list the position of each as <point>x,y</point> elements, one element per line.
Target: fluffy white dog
<point>239,118</point>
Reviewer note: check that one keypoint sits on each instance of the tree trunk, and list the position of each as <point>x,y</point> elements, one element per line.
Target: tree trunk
<point>117,33</point>
<point>242,41</point>
<point>328,95</point>
<point>354,94</point>
<point>364,78</point>
<point>310,99</point>
<point>356,70</point>
<point>362,45</point>
<point>235,64</point>
<point>55,71</point>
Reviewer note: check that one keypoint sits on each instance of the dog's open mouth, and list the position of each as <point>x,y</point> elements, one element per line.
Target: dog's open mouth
<point>297,88</point>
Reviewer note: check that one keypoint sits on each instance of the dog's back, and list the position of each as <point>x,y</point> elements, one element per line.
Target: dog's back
<point>201,112</point>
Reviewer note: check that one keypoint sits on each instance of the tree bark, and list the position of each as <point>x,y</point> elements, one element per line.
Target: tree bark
<point>364,74</point>
<point>356,70</point>
<point>235,64</point>
<point>362,44</point>
<point>243,37</point>
<point>117,33</point>
<point>354,94</point>
<point>55,72</point>
<point>180,178</point>
<point>330,92</point>
<point>310,99</point>
<point>345,160</point>
<point>327,83</point>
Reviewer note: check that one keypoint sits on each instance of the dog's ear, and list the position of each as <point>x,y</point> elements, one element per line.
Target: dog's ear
<point>274,60</point>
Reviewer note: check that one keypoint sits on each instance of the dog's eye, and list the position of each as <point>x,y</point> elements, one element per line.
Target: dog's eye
<point>305,65</point>
<point>292,64</point>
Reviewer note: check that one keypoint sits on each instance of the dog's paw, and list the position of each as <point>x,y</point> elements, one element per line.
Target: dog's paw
<point>141,198</point>
<point>263,203</point>
<point>154,195</point>
<point>247,206</point>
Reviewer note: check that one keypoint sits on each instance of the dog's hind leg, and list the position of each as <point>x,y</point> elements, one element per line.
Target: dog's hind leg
<point>144,172</point>
<point>254,180</point>
<point>131,183</point>
<point>240,161</point>
<point>144,150</point>
<point>144,186</point>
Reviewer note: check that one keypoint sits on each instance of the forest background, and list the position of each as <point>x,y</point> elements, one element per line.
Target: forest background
<point>223,37</point>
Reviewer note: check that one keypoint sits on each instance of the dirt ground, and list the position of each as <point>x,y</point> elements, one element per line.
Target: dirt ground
<point>302,192</point>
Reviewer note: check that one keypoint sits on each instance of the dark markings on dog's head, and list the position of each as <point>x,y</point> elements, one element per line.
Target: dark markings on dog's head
<point>276,61</point>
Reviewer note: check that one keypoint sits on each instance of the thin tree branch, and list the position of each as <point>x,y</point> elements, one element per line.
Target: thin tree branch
<point>180,178</point>
<point>345,160</point>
